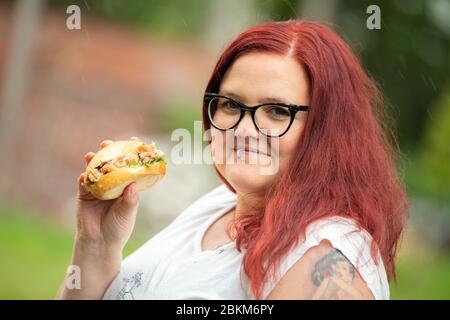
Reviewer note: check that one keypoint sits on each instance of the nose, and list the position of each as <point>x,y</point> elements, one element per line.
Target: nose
<point>246,128</point>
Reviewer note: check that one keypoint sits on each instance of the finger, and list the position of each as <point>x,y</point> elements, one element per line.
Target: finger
<point>88,157</point>
<point>83,194</point>
<point>82,191</point>
<point>135,139</point>
<point>104,143</point>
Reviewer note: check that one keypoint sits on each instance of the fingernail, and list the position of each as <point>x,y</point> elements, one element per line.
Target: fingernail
<point>132,194</point>
<point>132,190</point>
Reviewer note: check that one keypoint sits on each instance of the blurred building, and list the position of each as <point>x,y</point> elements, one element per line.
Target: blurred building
<point>105,81</point>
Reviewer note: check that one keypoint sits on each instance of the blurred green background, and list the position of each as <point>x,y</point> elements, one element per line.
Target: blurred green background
<point>144,64</point>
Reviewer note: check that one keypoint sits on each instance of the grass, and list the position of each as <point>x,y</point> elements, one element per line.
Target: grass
<point>423,278</point>
<point>423,271</point>
<point>36,253</point>
<point>34,258</point>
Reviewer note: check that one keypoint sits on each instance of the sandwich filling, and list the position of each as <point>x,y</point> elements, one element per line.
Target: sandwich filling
<point>146,155</point>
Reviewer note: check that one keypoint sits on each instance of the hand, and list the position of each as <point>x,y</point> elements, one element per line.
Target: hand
<point>105,223</point>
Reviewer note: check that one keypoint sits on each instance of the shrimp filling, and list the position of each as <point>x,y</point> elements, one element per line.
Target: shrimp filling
<point>146,155</point>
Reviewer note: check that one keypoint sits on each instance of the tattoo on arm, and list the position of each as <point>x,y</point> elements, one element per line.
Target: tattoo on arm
<point>333,276</point>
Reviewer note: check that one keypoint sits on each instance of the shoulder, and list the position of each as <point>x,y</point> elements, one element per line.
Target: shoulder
<point>334,261</point>
<point>220,194</point>
<point>323,272</point>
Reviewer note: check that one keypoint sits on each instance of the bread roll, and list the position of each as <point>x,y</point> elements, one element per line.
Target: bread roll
<point>120,163</point>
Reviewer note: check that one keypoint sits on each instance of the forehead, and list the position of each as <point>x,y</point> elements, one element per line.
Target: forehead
<point>256,75</point>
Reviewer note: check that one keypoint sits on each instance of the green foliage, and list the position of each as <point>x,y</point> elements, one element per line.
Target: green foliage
<point>408,57</point>
<point>178,114</point>
<point>429,174</point>
<point>174,18</point>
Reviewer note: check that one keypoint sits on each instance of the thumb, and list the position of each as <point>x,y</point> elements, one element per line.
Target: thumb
<point>129,200</point>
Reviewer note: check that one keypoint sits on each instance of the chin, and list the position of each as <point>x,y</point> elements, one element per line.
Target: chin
<point>247,178</point>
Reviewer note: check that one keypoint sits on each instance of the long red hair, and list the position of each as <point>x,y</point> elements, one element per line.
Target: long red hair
<point>345,159</point>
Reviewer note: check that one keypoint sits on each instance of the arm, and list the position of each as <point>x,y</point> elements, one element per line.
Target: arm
<point>97,265</point>
<point>323,272</point>
<point>102,231</point>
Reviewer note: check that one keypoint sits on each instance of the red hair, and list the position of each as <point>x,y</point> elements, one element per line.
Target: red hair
<point>344,163</point>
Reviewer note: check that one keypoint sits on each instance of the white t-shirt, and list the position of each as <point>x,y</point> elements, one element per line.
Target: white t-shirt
<point>171,265</point>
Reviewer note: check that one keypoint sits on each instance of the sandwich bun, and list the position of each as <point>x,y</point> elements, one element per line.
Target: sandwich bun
<point>111,184</point>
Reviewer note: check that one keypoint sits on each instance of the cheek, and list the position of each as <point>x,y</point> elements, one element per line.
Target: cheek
<point>288,145</point>
<point>218,146</point>
<point>219,153</point>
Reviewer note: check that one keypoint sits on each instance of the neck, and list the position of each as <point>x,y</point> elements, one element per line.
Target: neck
<point>248,202</point>
<point>245,205</point>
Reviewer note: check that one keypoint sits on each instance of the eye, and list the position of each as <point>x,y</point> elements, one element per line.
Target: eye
<point>278,112</point>
<point>229,106</point>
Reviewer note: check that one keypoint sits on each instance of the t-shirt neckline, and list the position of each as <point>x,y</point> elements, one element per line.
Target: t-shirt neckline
<point>209,222</point>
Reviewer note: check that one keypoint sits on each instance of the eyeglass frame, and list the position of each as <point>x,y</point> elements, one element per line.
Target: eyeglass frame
<point>293,108</point>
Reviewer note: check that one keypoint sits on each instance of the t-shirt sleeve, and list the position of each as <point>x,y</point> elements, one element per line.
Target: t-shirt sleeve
<point>345,236</point>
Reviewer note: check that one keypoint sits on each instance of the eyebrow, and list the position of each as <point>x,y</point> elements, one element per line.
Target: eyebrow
<point>260,100</point>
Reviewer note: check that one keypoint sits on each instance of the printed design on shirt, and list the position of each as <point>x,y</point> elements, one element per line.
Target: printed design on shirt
<point>131,283</point>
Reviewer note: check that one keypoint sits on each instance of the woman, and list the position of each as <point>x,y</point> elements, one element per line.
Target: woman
<point>325,224</point>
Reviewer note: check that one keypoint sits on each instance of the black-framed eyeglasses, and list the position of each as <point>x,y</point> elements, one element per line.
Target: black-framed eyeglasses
<point>271,119</point>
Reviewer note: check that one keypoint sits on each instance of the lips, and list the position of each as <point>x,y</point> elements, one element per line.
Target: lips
<point>250,149</point>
